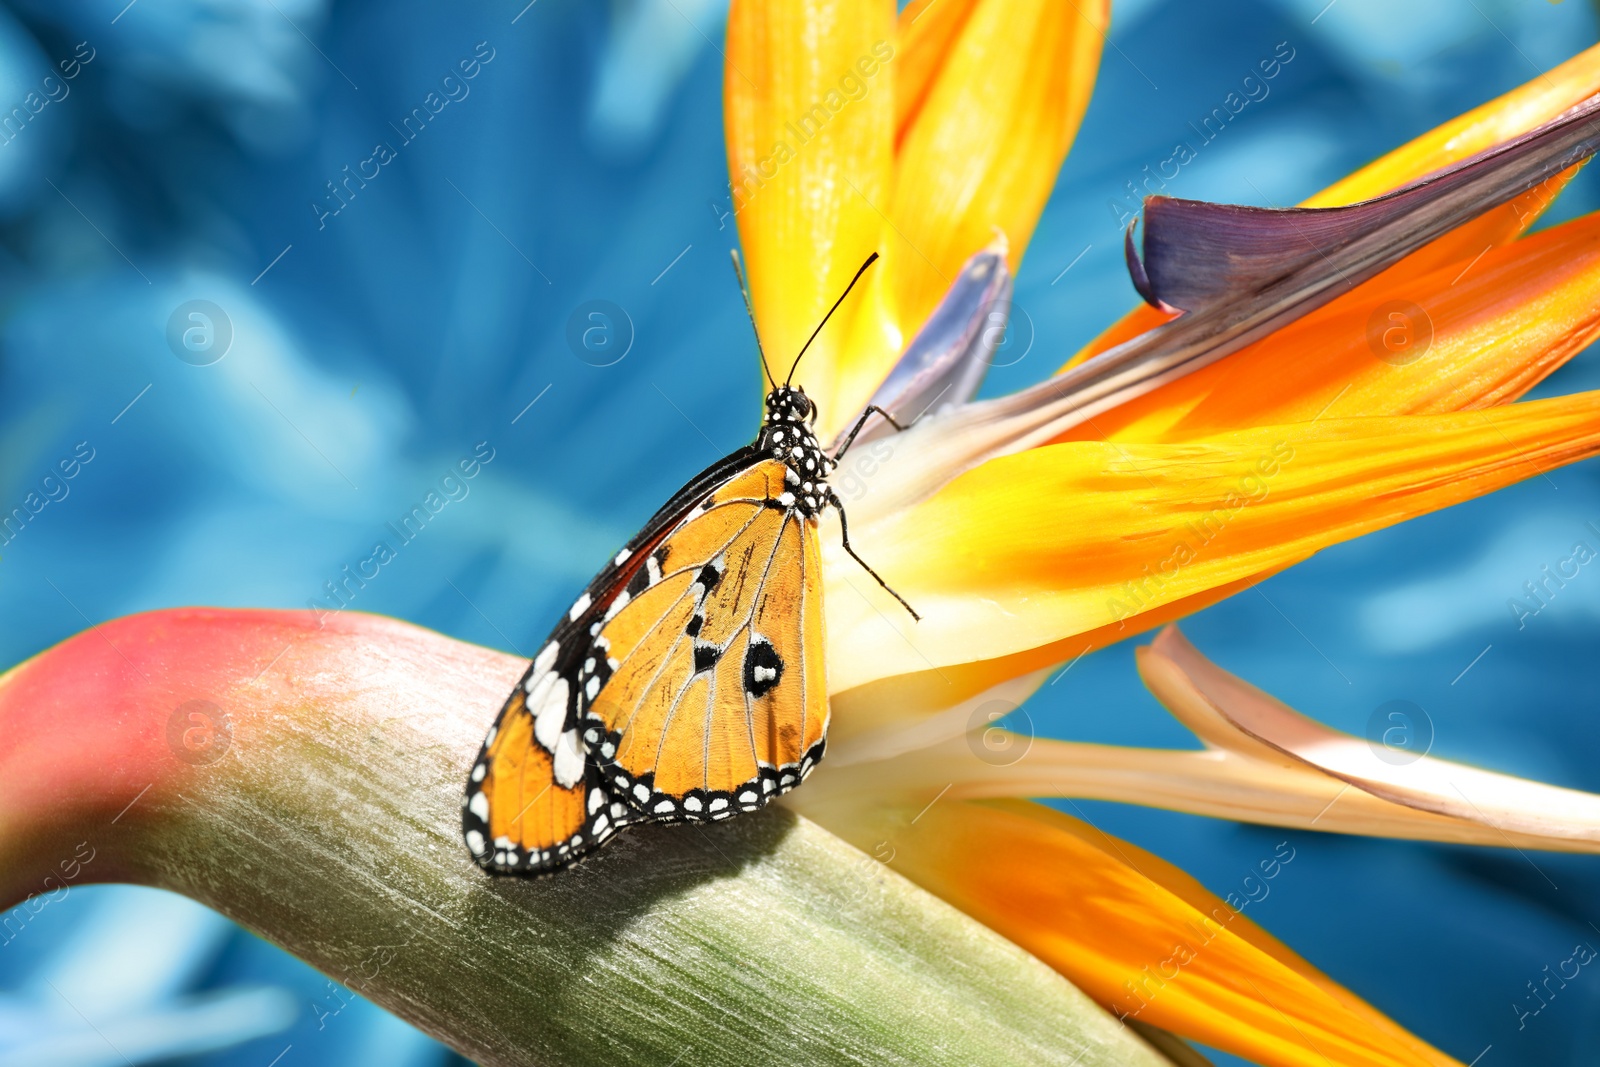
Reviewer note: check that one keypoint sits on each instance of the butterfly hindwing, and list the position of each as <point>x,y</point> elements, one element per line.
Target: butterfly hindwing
<point>535,800</point>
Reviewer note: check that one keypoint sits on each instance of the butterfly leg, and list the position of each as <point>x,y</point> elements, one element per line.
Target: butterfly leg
<point>844,535</point>
<point>862,421</point>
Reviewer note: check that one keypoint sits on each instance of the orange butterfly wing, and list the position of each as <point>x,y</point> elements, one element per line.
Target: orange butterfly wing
<point>715,701</point>
<point>534,801</point>
<point>686,683</point>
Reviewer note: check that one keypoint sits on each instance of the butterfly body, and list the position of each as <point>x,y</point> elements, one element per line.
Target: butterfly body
<point>686,684</point>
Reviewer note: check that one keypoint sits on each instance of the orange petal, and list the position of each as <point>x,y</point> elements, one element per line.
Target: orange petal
<point>1495,122</point>
<point>1134,932</point>
<point>810,128</point>
<point>1472,335</point>
<point>1039,546</point>
<point>929,31</point>
<point>995,94</point>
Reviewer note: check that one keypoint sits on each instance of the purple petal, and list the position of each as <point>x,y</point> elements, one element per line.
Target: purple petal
<point>945,363</point>
<point>1136,271</point>
<point>1199,255</point>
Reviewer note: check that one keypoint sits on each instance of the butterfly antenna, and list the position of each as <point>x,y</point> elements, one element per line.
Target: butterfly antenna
<point>744,291</point>
<point>829,315</point>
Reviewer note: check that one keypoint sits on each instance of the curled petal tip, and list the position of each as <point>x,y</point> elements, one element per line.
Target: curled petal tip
<point>1200,255</point>
<point>1137,273</point>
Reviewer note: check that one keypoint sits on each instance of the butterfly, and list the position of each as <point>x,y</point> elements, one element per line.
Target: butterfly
<point>686,683</point>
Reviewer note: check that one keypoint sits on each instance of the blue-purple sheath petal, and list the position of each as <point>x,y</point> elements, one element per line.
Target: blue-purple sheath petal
<point>945,363</point>
<point>1199,255</point>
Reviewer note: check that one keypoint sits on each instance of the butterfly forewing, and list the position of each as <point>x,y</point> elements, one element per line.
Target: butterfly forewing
<point>717,699</point>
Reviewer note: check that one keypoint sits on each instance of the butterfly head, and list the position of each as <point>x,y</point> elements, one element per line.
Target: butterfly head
<point>789,403</point>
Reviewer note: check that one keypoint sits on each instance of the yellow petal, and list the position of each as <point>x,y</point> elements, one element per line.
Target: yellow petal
<point>1134,932</point>
<point>1472,335</point>
<point>1497,121</point>
<point>900,699</point>
<point>810,155</point>
<point>1039,546</point>
<point>987,120</point>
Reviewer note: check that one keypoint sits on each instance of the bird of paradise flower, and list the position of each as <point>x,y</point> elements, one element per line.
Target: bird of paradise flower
<point>1134,489</point>
<point>1181,457</point>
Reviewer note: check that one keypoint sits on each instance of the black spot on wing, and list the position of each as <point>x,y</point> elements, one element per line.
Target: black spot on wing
<point>763,667</point>
<point>705,657</point>
<point>694,625</point>
<point>639,582</point>
<point>709,576</point>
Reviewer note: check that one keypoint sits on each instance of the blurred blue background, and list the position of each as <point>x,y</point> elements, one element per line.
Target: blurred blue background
<point>374,335</point>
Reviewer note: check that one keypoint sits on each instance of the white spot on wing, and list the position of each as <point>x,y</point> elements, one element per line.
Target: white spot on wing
<point>622,557</point>
<point>618,604</point>
<point>569,760</point>
<point>551,715</point>
<point>546,658</point>
<point>479,806</point>
<point>539,688</point>
<point>580,607</point>
<point>476,843</point>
